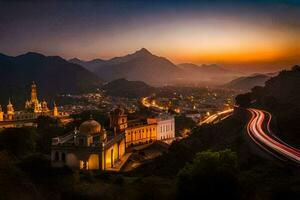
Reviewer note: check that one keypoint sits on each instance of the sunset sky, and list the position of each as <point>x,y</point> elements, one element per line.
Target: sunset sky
<point>241,35</point>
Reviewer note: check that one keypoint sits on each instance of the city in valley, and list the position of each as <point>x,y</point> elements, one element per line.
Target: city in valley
<point>149,100</point>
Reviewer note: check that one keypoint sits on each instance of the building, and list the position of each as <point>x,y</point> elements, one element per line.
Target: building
<point>89,148</point>
<point>33,105</point>
<point>165,127</point>
<point>140,134</point>
<point>33,109</point>
<point>143,132</point>
<point>118,119</point>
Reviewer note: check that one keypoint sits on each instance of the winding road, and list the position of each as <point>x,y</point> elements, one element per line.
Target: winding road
<point>259,131</point>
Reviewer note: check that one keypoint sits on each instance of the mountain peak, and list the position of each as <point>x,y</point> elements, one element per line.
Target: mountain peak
<point>74,60</point>
<point>143,51</point>
<point>33,54</point>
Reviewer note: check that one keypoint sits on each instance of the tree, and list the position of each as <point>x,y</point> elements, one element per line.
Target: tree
<point>19,141</point>
<point>211,175</point>
<point>183,122</point>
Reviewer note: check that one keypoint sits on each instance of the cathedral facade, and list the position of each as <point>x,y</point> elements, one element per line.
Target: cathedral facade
<point>33,109</point>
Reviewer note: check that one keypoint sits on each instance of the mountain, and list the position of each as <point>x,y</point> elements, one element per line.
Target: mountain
<point>90,65</point>
<point>139,66</point>
<point>129,89</point>
<point>142,65</point>
<point>246,83</point>
<point>212,73</point>
<point>53,75</point>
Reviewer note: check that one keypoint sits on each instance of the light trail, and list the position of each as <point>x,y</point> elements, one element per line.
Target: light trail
<point>213,117</point>
<point>267,141</point>
<point>146,103</point>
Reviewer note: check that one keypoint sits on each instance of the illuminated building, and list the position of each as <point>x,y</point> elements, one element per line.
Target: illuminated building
<point>33,109</point>
<point>142,132</point>
<point>89,148</point>
<point>118,119</point>
<point>10,111</point>
<point>165,127</point>
<point>33,104</point>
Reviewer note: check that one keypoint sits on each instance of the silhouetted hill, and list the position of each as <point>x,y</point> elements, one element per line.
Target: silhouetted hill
<point>130,89</point>
<point>53,75</point>
<point>247,82</point>
<point>139,66</point>
<point>280,96</point>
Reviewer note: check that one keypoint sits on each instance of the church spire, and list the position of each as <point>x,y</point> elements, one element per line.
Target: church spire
<point>33,92</point>
<point>55,110</point>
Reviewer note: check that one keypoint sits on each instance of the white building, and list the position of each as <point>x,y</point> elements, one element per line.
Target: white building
<point>165,127</point>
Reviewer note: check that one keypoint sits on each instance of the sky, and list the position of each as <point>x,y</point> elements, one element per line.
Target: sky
<point>252,36</point>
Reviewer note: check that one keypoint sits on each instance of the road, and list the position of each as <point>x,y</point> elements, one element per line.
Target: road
<point>218,116</point>
<point>259,131</point>
<point>153,104</point>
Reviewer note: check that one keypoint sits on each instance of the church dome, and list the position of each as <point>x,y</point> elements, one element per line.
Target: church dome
<point>90,127</point>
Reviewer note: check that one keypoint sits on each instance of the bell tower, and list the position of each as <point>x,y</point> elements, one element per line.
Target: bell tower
<point>118,119</point>
<point>33,92</point>
<point>10,110</point>
<point>55,110</point>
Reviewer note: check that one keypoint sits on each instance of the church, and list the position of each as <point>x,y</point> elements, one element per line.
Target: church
<point>33,109</point>
<point>92,148</point>
<point>89,148</point>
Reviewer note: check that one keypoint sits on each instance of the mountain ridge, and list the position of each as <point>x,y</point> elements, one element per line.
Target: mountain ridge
<point>53,75</point>
<point>142,65</point>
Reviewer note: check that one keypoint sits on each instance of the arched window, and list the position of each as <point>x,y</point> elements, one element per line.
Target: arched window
<point>56,156</point>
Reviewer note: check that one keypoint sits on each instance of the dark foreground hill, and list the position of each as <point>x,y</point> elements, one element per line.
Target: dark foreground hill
<point>280,96</point>
<point>129,89</point>
<point>52,74</point>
